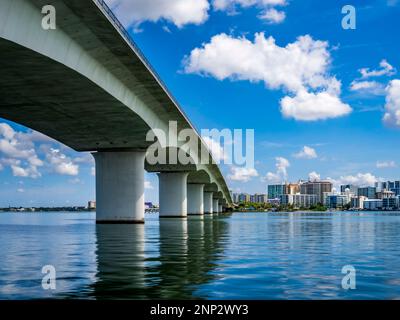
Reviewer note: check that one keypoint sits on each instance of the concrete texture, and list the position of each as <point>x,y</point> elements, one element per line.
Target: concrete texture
<point>208,202</point>
<point>173,194</point>
<point>195,196</point>
<point>119,187</point>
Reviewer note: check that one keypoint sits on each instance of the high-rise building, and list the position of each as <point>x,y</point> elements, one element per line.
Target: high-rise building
<point>336,201</point>
<point>389,203</point>
<point>357,202</point>
<point>317,188</point>
<point>352,188</point>
<point>276,190</point>
<point>395,187</point>
<point>261,198</point>
<point>292,188</point>
<point>373,204</point>
<point>92,205</point>
<point>244,197</point>
<point>369,192</point>
<point>299,200</point>
<point>388,185</point>
<point>384,194</point>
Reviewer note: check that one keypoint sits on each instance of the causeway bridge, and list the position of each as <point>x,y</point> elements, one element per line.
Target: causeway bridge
<point>87,85</point>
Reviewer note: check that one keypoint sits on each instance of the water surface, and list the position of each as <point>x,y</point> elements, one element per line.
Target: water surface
<point>241,256</point>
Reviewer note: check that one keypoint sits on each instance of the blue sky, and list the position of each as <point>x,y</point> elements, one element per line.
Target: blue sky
<point>316,102</point>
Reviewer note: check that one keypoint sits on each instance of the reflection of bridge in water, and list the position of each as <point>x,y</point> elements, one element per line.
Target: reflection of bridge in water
<point>165,262</point>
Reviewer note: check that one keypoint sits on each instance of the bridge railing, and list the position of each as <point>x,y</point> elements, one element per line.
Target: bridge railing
<point>102,4</point>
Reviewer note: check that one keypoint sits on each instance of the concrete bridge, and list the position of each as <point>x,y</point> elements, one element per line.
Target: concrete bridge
<point>87,85</point>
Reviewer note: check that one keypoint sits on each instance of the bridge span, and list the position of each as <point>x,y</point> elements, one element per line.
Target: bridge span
<point>87,85</point>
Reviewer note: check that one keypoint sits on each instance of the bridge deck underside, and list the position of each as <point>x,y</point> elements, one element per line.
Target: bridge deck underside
<point>48,97</point>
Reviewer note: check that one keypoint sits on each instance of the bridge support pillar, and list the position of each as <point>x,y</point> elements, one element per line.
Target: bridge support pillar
<point>195,196</point>
<point>208,202</point>
<point>173,194</point>
<point>120,186</point>
<point>215,205</point>
<point>220,208</point>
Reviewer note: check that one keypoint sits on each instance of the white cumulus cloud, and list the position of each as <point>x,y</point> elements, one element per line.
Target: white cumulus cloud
<point>360,179</point>
<point>280,175</point>
<point>272,16</point>
<point>306,153</point>
<point>60,163</point>
<point>313,176</point>
<point>308,106</point>
<point>179,12</point>
<point>372,87</point>
<point>385,69</point>
<point>392,106</point>
<point>18,151</point>
<point>301,68</point>
<point>242,174</point>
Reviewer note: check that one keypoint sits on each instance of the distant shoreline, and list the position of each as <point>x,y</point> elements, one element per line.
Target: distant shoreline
<point>150,211</point>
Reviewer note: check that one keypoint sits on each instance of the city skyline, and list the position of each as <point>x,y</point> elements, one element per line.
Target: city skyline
<point>353,144</point>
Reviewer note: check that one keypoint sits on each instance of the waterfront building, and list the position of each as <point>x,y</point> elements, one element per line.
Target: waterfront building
<point>369,192</point>
<point>274,202</point>
<point>316,188</point>
<point>393,186</point>
<point>357,202</point>
<point>244,197</point>
<point>91,205</point>
<point>373,204</point>
<point>379,186</point>
<point>276,190</point>
<point>390,203</point>
<point>353,189</point>
<point>299,200</point>
<point>336,201</point>
<point>384,194</point>
<point>261,198</point>
<point>292,188</point>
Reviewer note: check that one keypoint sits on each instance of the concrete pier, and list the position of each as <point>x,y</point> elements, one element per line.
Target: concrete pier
<point>208,202</point>
<point>215,206</point>
<point>173,194</point>
<point>119,187</point>
<point>195,196</point>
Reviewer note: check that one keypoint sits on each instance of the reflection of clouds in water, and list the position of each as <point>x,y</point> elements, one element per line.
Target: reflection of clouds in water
<point>27,245</point>
<point>274,256</point>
